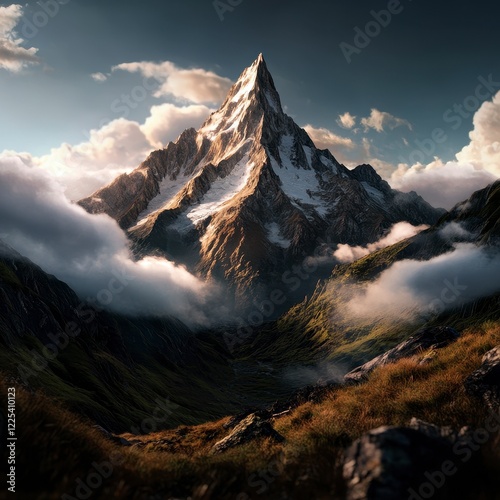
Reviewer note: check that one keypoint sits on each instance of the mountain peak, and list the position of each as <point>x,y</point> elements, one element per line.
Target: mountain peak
<point>249,194</point>
<point>260,60</point>
<point>253,95</point>
<point>258,66</point>
<point>256,81</point>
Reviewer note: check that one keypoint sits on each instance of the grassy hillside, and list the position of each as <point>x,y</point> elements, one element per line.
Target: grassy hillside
<point>177,463</point>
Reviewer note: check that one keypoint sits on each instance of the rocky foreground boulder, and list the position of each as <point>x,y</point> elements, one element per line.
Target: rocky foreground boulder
<point>249,428</point>
<point>424,340</point>
<point>390,463</point>
<point>485,381</point>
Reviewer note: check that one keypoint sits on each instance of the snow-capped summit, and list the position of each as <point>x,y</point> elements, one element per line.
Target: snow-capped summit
<point>254,90</point>
<point>249,194</point>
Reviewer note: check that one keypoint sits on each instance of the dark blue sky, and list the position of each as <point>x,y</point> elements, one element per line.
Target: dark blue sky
<point>427,59</point>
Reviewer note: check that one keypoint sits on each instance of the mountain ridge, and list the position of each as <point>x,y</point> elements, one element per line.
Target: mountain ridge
<point>249,194</point>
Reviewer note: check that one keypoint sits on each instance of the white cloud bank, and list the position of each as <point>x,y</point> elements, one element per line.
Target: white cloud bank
<point>122,145</point>
<point>411,287</point>
<point>88,251</point>
<point>13,56</point>
<point>484,149</point>
<point>118,147</point>
<point>477,164</point>
<point>443,184</point>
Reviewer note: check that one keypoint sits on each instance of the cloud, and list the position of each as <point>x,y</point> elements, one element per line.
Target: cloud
<point>346,120</point>
<point>483,151</point>
<point>116,148</point>
<point>168,121</point>
<point>399,232</point>
<point>99,77</point>
<point>429,287</point>
<point>381,120</point>
<point>444,184</point>
<point>90,252</point>
<point>13,57</point>
<point>441,184</point>
<point>326,139</point>
<point>194,85</point>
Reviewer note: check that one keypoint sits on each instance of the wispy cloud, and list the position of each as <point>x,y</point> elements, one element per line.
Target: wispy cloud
<point>99,77</point>
<point>399,232</point>
<point>195,85</point>
<point>326,139</point>
<point>346,120</point>
<point>381,120</point>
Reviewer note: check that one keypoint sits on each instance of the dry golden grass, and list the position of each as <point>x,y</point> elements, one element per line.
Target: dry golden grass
<point>395,393</point>
<point>57,447</point>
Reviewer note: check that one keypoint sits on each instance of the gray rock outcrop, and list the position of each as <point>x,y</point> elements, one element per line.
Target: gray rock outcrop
<point>425,339</point>
<point>249,428</point>
<point>485,381</point>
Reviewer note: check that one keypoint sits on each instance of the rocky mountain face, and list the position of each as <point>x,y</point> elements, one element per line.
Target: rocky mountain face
<point>249,194</point>
<point>424,343</point>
